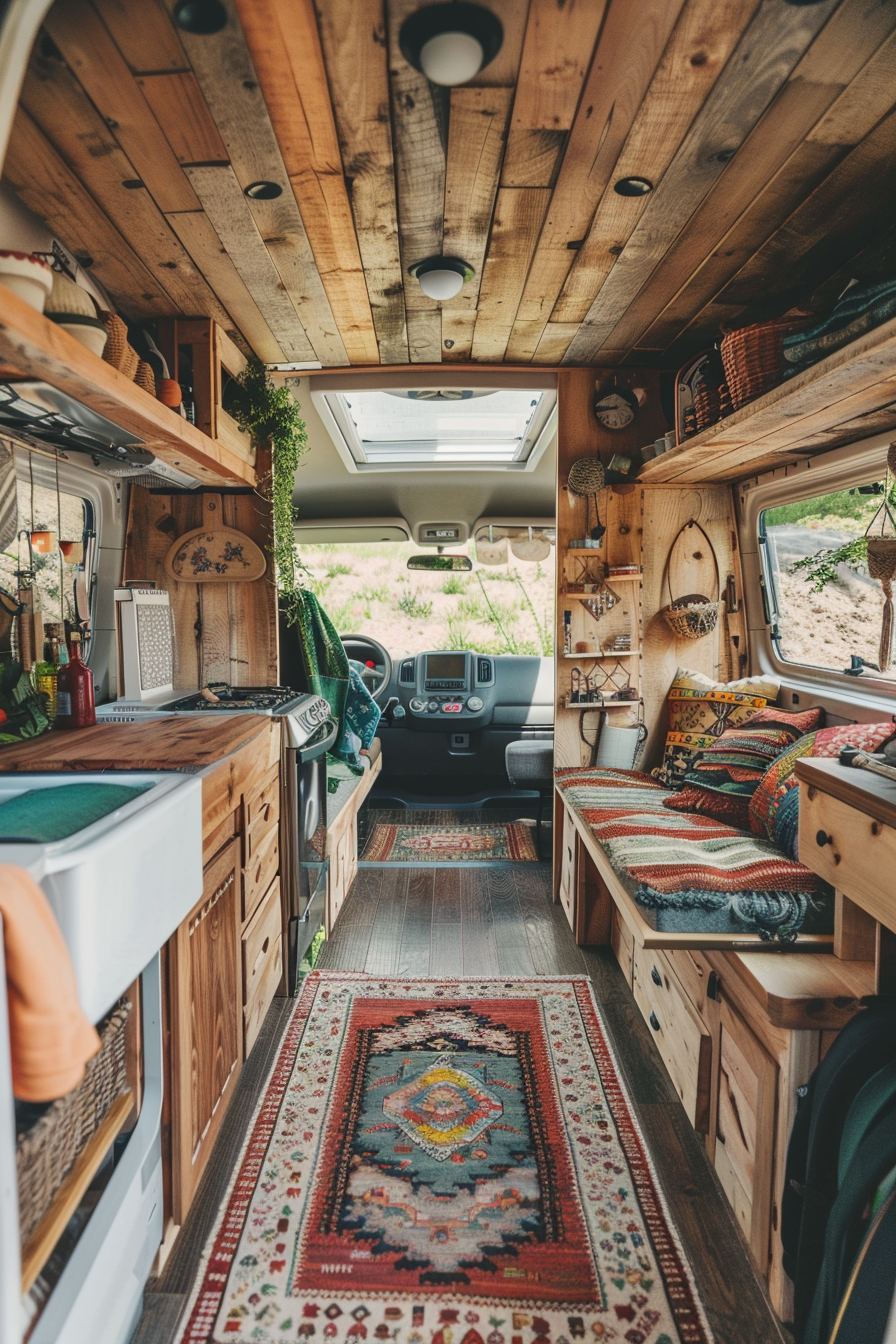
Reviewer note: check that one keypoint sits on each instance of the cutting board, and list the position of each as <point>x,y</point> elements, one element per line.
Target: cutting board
<point>215,555</point>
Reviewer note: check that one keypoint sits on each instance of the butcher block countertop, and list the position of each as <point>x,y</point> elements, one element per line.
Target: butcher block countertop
<point>233,752</point>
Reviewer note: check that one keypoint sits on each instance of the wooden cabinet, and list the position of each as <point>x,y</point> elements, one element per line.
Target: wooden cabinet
<point>566,890</point>
<point>683,1041</point>
<point>342,841</point>
<point>206,1044</point>
<point>262,963</point>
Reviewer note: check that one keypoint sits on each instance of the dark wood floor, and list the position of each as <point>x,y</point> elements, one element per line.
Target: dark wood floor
<point>496,921</point>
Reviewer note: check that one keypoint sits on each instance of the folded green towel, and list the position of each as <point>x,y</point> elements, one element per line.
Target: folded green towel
<point>39,816</point>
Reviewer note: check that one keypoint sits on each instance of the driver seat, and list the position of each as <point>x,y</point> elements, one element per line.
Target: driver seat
<point>530,766</point>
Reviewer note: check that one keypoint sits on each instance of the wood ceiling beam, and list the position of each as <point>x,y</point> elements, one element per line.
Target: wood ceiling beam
<point>780,162</point>
<point>519,213</point>
<point>228,211</point>
<point>420,184</point>
<point>285,49</point>
<point>230,85</point>
<point>504,70</point>
<point>59,107</point>
<point>769,49</point>
<point>89,50</point>
<point>694,58</point>
<point>144,35</point>
<point>477,128</point>
<point>560,37</point>
<point>353,37</point>
<point>630,45</point>
<point>44,183</point>
<point>183,114</point>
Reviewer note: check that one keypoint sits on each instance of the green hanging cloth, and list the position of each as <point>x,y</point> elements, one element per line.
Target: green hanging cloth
<point>326,664</point>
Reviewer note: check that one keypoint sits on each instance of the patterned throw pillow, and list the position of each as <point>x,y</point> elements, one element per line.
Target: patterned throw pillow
<point>723,778</point>
<point>773,814</point>
<point>700,710</point>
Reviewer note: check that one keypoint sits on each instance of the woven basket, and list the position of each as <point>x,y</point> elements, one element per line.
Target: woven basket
<point>118,352</point>
<point>753,358</point>
<point>48,1151</point>
<point>693,616</point>
<point>145,378</point>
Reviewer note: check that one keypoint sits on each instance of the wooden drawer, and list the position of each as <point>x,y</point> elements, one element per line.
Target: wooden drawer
<point>684,1044</point>
<point>260,871</point>
<point>261,949</point>
<point>261,814</point>
<point>567,891</point>
<point>696,976</point>
<point>745,1130</point>
<point>849,849</point>
<point>623,945</point>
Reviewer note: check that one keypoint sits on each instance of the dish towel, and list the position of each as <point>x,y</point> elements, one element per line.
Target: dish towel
<point>50,1038</point>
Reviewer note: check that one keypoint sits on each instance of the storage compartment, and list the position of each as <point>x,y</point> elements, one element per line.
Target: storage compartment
<point>262,963</point>
<point>837,839</point>
<point>200,350</point>
<point>622,944</point>
<point>745,1131</point>
<point>262,814</point>
<point>567,891</point>
<point>683,1041</point>
<point>259,872</point>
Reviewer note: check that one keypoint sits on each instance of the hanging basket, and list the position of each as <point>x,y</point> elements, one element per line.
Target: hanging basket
<point>882,563</point>
<point>693,616</point>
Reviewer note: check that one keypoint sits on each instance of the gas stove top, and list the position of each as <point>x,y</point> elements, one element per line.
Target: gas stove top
<point>218,696</point>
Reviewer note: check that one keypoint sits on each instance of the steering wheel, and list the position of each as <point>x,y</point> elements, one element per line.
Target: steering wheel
<point>363,649</point>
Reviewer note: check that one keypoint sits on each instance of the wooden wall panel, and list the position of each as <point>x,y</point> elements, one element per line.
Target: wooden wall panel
<point>224,631</point>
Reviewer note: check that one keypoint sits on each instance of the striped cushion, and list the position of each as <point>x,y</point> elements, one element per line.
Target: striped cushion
<point>724,777</point>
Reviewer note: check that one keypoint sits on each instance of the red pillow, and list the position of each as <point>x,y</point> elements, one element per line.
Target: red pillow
<point>723,778</point>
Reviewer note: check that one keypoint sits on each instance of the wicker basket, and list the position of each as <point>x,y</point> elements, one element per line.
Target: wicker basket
<point>693,616</point>
<point>46,1153</point>
<point>118,352</point>
<point>753,358</point>
<point>145,378</point>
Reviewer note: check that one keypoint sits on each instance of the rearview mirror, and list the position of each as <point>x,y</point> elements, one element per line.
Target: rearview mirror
<point>440,562</point>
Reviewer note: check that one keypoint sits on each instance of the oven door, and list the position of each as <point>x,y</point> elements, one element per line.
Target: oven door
<point>307,844</point>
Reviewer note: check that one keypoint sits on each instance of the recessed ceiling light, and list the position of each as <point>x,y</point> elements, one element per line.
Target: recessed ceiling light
<point>441,277</point>
<point>633,186</point>
<point>263,191</point>
<point>202,17</point>
<point>451,43</point>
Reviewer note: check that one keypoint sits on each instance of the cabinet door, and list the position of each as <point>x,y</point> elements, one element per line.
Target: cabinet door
<point>745,1131</point>
<point>568,869</point>
<point>205,1029</point>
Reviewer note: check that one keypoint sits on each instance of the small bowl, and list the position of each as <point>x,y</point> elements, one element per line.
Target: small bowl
<point>28,277</point>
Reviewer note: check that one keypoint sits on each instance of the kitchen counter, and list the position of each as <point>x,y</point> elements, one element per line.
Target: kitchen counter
<point>240,746</point>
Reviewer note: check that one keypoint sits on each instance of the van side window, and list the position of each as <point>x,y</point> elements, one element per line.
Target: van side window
<point>823,608</point>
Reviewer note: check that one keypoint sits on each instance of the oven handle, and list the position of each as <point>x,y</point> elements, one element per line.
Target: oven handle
<point>318,745</point>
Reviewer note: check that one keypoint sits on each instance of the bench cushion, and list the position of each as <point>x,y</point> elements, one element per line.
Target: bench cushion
<point>679,863</point>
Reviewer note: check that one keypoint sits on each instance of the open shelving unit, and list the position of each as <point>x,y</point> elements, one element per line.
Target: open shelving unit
<point>847,396</point>
<point>31,346</point>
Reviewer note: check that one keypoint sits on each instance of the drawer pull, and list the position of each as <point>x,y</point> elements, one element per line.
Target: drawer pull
<point>654,1021</point>
<point>656,977</point>
<point>822,838</point>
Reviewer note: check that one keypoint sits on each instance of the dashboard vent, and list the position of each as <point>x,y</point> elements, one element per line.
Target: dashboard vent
<point>406,672</point>
<point>485,671</point>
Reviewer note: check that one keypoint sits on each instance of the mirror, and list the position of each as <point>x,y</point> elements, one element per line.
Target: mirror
<point>440,562</point>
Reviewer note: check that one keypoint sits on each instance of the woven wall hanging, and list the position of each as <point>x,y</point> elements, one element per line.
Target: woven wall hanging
<point>881,534</point>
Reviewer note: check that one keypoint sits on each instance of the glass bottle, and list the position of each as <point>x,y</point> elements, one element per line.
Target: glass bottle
<point>45,674</point>
<point>75,704</point>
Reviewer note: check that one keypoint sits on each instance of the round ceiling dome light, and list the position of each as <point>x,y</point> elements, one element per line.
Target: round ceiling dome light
<point>441,277</point>
<point>633,186</point>
<point>263,191</point>
<point>450,43</point>
<point>202,17</point>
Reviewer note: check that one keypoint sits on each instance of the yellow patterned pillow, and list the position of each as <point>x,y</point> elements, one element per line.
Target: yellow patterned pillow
<point>700,710</point>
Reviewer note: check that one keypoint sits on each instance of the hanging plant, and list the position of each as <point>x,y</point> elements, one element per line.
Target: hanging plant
<point>272,416</point>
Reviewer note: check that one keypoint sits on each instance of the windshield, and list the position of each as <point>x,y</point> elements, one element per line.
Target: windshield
<point>367,589</point>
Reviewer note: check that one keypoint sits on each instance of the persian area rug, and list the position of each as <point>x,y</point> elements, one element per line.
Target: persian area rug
<point>444,1162</point>
<point>508,841</point>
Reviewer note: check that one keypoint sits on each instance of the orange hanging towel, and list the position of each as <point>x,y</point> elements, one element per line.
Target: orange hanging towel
<point>50,1038</point>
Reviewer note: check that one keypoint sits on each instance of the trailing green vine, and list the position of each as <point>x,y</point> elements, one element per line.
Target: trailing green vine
<point>272,416</point>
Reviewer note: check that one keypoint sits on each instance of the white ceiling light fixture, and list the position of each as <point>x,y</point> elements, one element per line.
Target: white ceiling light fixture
<point>450,43</point>
<point>441,277</point>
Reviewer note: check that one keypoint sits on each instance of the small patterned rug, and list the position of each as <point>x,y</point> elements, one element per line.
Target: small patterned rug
<point>444,1162</point>
<point>511,841</point>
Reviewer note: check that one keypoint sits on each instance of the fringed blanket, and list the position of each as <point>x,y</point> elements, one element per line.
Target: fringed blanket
<point>690,872</point>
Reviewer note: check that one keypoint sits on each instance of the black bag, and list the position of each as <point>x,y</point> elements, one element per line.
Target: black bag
<point>865,1044</point>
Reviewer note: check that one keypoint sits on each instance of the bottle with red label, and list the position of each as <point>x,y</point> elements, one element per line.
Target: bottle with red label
<point>75,705</point>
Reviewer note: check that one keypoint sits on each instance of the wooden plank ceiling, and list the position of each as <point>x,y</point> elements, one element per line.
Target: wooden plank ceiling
<point>768,130</point>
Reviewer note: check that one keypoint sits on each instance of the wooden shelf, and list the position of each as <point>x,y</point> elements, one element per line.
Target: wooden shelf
<point>40,349</point>
<point>39,1246</point>
<point>611,704</point>
<point>583,550</point>
<point>845,397</point>
<point>612,653</point>
<point>581,597</point>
